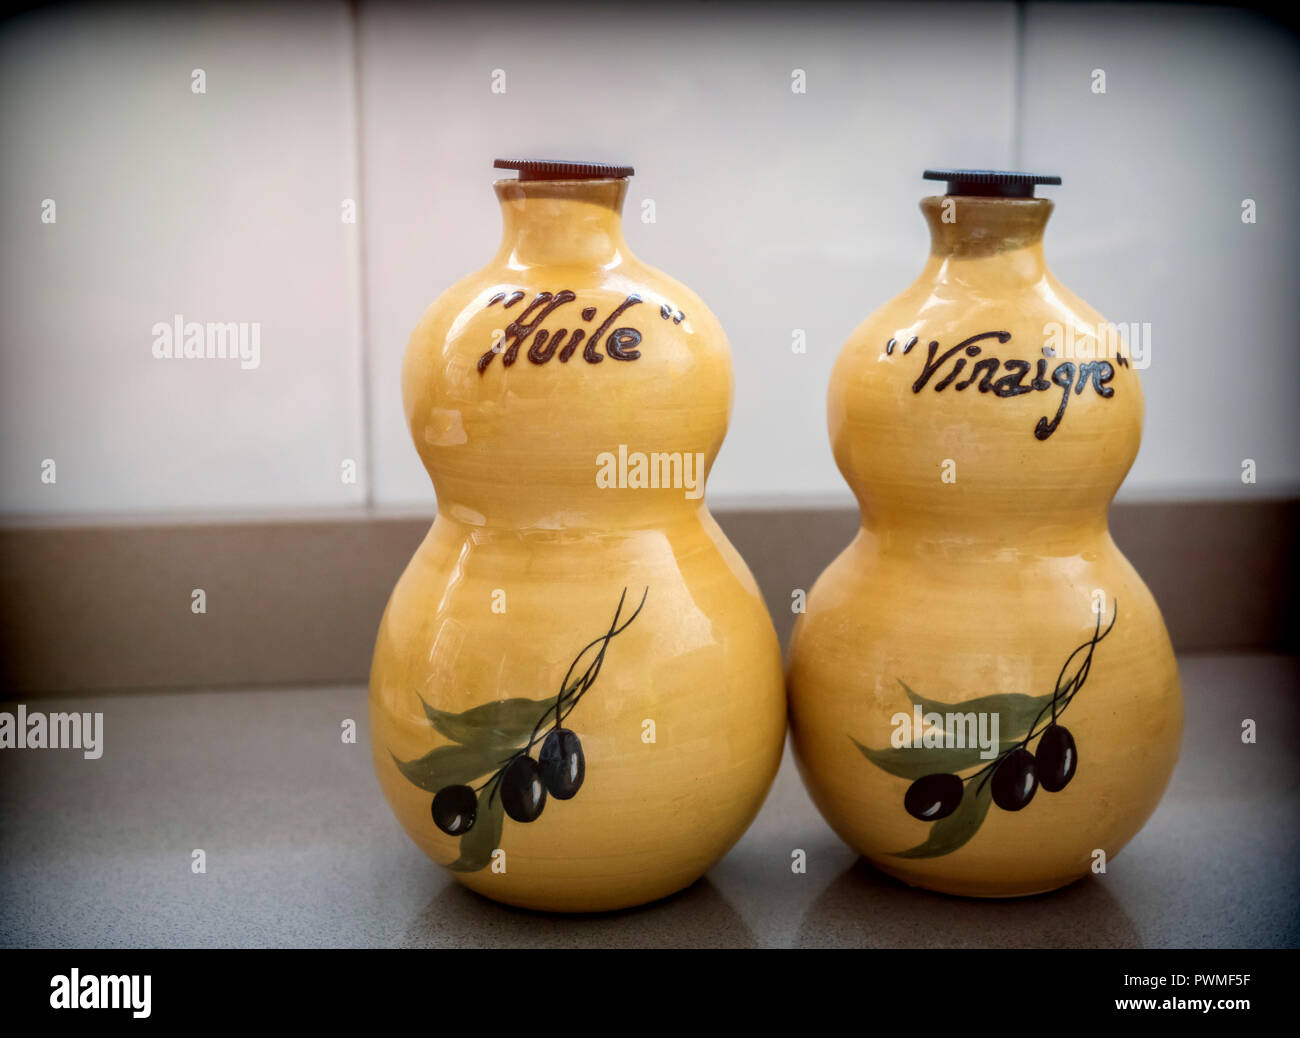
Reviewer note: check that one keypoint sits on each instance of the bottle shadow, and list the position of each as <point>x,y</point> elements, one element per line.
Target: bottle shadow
<point>863,907</point>
<point>697,917</point>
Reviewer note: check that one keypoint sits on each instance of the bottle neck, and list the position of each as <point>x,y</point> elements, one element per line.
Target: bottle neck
<point>986,242</point>
<point>561,222</point>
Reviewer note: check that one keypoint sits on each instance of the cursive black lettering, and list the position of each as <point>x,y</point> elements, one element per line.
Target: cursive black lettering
<point>622,342</point>
<point>589,354</point>
<point>1012,383</point>
<point>989,365</point>
<point>1044,428</point>
<point>1101,373</point>
<point>932,365</point>
<point>518,331</point>
<point>571,345</point>
<point>539,352</point>
<point>956,370</point>
<point>1065,376</point>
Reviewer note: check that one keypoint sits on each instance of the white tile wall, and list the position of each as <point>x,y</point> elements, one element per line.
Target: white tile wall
<point>223,206</point>
<point>783,211</point>
<point>1201,111</point>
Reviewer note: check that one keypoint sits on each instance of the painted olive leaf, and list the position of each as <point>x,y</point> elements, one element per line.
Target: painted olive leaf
<point>913,762</point>
<point>502,723</point>
<point>477,845</point>
<point>451,765</point>
<point>1016,711</point>
<point>947,834</point>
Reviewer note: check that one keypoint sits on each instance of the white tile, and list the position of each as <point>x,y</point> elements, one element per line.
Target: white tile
<point>782,211</point>
<point>1199,113</point>
<point>223,207</point>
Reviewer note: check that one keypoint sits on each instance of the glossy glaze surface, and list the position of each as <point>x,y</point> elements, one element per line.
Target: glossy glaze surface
<point>984,580</point>
<point>536,583</point>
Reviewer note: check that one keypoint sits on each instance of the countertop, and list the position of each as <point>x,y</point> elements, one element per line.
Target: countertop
<point>301,849</point>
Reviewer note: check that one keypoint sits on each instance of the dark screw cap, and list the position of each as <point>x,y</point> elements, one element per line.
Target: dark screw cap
<point>990,183</point>
<point>553,169</point>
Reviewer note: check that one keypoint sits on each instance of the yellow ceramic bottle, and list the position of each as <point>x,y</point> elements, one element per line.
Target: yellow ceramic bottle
<point>983,696</point>
<point>576,698</point>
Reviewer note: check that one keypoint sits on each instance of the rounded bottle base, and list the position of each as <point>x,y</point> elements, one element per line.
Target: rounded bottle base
<point>955,887</point>
<point>583,902</point>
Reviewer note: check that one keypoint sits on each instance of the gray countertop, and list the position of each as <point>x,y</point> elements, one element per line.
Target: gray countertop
<point>302,850</point>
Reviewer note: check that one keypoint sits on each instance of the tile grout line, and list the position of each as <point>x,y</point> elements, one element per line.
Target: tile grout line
<point>360,279</point>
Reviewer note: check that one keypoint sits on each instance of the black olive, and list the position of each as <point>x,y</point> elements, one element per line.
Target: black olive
<point>1015,780</point>
<point>562,763</point>
<point>522,793</point>
<point>454,809</point>
<point>1057,758</point>
<point>933,796</point>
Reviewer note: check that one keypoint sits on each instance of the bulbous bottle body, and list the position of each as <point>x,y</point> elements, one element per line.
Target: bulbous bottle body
<point>983,696</point>
<point>574,602</point>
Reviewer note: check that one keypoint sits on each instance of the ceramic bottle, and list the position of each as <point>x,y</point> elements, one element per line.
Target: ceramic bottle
<point>983,696</point>
<point>576,697</point>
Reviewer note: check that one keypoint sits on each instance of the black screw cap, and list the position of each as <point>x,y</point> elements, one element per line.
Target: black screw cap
<point>558,169</point>
<point>990,183</point>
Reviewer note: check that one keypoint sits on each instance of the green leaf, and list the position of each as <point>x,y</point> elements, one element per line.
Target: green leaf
<point>502,723</point>
<point>947,834</point>
<point>912,762</point>
<point>1016,711</point>
<point>451,765</point>
<point>477,845</point>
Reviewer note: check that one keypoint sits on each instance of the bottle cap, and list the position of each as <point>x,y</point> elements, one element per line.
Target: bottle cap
<point>553,169</point>
<point>990,183</point>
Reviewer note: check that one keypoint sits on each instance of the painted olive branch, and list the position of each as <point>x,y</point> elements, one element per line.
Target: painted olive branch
<point>570,694</point>
<point>1063,694</point>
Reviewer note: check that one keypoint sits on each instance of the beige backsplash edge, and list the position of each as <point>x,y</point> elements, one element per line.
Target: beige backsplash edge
<point>296,599</point>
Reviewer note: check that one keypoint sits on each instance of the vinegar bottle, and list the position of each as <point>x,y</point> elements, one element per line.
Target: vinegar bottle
<point>576,697</point>
<point>983,696</point>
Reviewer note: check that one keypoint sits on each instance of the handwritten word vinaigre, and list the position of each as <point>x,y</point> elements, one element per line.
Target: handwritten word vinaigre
<point>620,344</point>
<point>1065,376</point>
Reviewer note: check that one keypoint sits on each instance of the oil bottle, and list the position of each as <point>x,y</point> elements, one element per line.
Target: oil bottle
<point>576,697</point>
